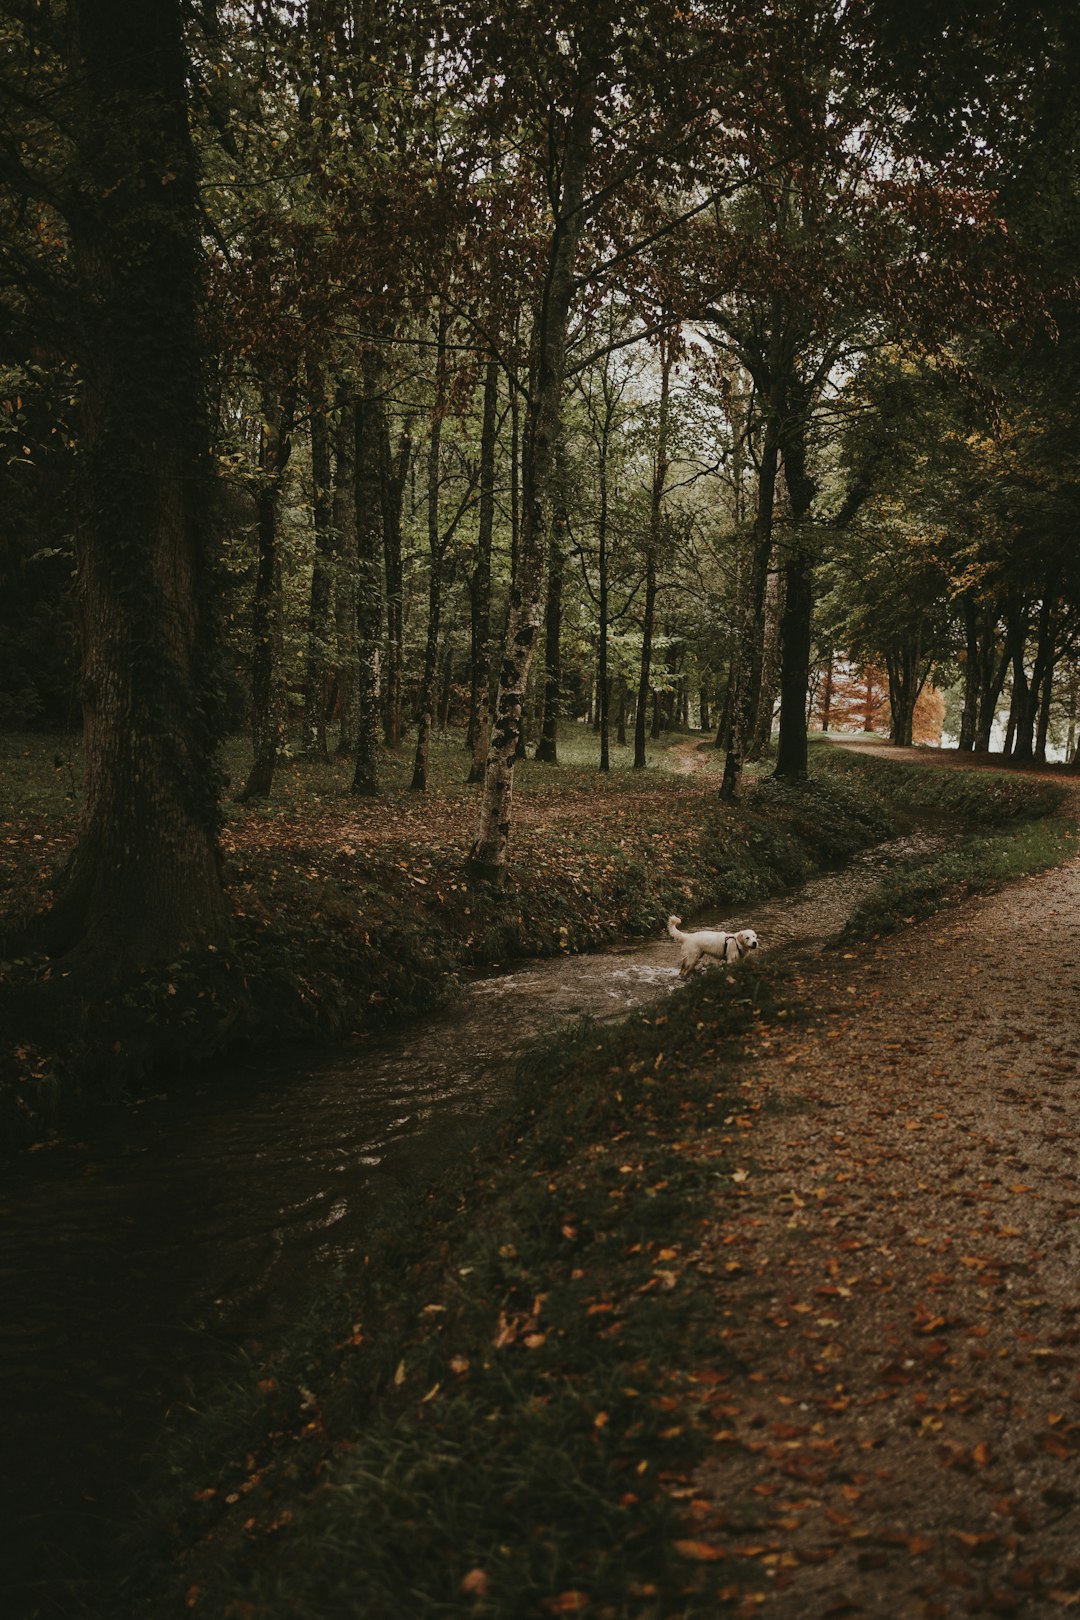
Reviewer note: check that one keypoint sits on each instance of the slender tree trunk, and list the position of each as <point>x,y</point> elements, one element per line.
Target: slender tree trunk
<point>620,723</point>
<point>393,473</point>
<point>143,885</point>
<point>267,709</point>
<point>487,858</point>
<point>827,691</point>
<point>603,676</point>
<point>746,670</point>
<point>1024,746</point>
<point>480,583</point>
<point>970,717</point>
<point>797,622</point>
<point>656,519</point>
<point>426,702</point>
<point>345,545</point>
<point>369,431</point>
<point>547,749</point>
<point>446,688</point>
<point>761,737</point>
<point>316,677</point>
<point>995,665</point>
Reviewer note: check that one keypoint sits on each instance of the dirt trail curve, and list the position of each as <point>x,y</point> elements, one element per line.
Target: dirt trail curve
<point>899,1268</point>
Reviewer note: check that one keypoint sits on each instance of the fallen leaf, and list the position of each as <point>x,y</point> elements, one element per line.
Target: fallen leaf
<point>702,1552</point>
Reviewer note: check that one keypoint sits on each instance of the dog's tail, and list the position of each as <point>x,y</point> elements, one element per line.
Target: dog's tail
<point>673,927</point>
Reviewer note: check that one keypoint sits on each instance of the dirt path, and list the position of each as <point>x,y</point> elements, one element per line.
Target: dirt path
<point>898,1269</point>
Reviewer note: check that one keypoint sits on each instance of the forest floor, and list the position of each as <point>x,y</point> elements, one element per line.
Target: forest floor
<point>900,1250</point>
<point>770,1310</point>
<point>902,1253</point>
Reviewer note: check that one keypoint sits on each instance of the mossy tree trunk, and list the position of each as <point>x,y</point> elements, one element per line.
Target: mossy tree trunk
<point>143,885</point>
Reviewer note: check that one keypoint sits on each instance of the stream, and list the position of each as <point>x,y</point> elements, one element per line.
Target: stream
<point>134,1266</point>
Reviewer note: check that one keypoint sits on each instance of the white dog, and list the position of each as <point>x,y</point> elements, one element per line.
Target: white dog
<point>711,943</point>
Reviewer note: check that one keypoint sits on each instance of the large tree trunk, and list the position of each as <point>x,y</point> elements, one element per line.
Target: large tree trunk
<point>267,705</point>
<point>316,675</point>
<point>480,584</point>
<point>143,885</point>
<point>369,430</point>
<point>972,672</point>
<point>487,858</point>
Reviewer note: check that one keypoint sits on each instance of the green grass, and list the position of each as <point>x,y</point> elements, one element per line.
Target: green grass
<point>927,884</point>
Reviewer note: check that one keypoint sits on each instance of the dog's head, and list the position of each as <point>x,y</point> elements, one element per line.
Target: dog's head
<point>674,922</point>
<point>747,941</point>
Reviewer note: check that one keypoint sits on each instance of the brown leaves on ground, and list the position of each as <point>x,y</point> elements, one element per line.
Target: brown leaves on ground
<point>897,1273</point>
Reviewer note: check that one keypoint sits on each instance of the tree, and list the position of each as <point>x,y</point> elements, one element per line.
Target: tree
<point>143,884</point>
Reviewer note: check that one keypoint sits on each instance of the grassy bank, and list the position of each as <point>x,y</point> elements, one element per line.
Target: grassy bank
<point>1011,825</point>
<point>348,914</point>
<point>498,1410</point>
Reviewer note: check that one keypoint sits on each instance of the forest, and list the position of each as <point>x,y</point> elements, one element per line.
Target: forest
<point>467,471</point>
<point>496,366</point>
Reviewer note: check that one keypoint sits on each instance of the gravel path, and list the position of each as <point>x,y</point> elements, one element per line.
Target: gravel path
<point>899,1271</point>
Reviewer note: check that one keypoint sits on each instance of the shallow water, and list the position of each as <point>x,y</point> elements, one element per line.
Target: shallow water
<point>132,1267</point>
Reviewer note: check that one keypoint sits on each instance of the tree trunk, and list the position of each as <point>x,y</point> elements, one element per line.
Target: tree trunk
<point>1024,746</point>
<point>316,677</point>
<point>656,519</point>
<point>345,546</point>
<point>393,473</point>
<point>547,749</point>
<point>480,583</point>
<point>143,885</point>
<point>827,691</point>
<point>267,707</point>
<point>603,604</point>
<point>426,703</point>
<point>487,858</point>
<point>972,669</point>
<point>797,621</point>
<point>995,666</point>
<point>620,724</point>
<point>761,736</point>
<point>746,669</point>
<point>369,428</point>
